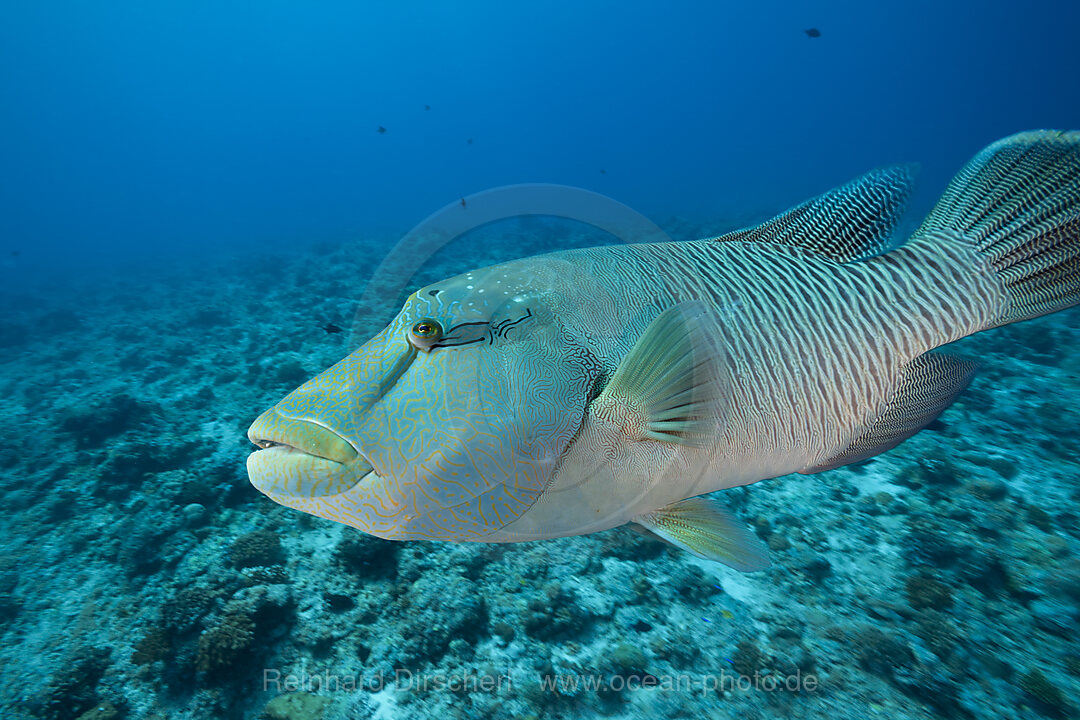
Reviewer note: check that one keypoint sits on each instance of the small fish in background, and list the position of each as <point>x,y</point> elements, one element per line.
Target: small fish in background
<point>578,391</point>
<point>469,141</point>
<point>381,130</point>
<point>603,172</point>
<point>812,32</point>
<point>427,107</point>
<point>331,329</point>
<point>462,202</point>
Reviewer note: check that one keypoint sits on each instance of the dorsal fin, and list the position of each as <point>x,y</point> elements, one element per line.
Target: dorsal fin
<point>851,222</point>
<point>928,385</point>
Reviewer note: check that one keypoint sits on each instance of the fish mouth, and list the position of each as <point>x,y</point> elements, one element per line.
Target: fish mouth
<point>272,429</point>
<point>300,459</point>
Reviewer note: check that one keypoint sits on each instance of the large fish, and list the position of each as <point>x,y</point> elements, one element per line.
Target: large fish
<point>578,391</point>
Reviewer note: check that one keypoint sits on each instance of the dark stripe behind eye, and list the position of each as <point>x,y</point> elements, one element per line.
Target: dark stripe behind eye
<point>502,327</point>
<point>454,338</point>
<point>459,344</point>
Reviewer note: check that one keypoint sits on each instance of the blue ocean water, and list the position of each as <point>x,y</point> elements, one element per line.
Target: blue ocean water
<point>193,197</point>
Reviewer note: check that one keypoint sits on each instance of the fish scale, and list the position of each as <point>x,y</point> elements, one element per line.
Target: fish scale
<point>775,331</point>
<point>787,413</point>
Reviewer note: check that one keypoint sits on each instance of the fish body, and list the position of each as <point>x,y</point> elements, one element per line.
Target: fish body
<point>578,391</point>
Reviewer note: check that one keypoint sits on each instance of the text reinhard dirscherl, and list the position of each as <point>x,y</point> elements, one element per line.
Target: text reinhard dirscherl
<point>558,683</point>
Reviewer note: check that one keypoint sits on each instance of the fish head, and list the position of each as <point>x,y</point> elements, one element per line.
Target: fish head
<point>446,425</point>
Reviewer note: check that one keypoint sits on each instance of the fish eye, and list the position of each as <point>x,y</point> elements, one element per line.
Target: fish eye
<point>425,333</point>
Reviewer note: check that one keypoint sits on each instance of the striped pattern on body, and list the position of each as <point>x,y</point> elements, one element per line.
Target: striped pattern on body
<point>815,346</point>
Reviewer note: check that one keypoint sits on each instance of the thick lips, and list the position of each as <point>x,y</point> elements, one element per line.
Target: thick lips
<point>301,459</point>
<point>272,428</point>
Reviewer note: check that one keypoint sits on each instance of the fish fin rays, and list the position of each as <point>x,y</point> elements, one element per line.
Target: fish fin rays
<point>1017,203</point>
<point>703,527</point>
<point>672,385</point>
<point>852,222</point>
<point>928,385</point>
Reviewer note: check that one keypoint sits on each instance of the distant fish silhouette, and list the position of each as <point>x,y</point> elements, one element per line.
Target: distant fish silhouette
<point>469,141</point>
<point>331,329</point>
<point>427,107</point>
<point>381,130</point>
<point>812,32</point>
<point>462,202</point>
<point>603,172</point>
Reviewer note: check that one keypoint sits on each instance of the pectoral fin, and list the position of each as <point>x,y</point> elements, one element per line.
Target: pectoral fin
<point>671,386</point>
<point>704,528</point>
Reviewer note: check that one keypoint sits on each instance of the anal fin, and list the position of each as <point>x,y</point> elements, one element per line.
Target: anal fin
<point>703,527</point>
<point>928,385</point>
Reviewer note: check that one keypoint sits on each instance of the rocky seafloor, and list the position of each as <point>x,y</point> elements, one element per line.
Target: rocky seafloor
<point>141,576</point>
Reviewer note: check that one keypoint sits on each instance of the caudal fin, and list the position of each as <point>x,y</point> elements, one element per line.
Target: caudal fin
<point>1017,204</point>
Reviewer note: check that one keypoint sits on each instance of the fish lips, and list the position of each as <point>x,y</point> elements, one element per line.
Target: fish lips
<point>301,460</point>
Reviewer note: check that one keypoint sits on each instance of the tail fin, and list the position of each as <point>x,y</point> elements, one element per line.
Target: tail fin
<point>1017,203</point>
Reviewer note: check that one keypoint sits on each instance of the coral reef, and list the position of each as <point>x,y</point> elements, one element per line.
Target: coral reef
<point>259,547</point>
<point>225,645</point>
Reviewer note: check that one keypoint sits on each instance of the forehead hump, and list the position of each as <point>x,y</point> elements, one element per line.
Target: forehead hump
<point>473,295</point>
